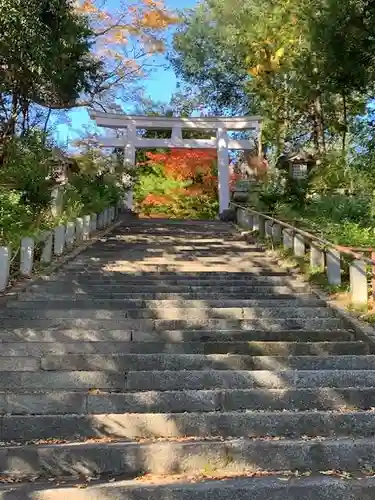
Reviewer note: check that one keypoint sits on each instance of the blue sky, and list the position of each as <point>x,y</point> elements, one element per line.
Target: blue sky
<point>159,87</point>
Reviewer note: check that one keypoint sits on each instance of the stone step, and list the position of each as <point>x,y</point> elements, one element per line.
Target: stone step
<point>122,280</point>
<point>190,457</point>
<point>59,333</point>
<point>274,487</point>
<point>142,329</point>
<point>88,303</point>
<point>203,425</point>
<point>159,362</point>
<point>178,362</point>
<point>252,348</point>
<point>273,379</point>
<point>96,272</point>
<point>226,400</point>
<point>276,293</point>
<point>181,276</point>
<point>173,314</point>
<point>184,380</point>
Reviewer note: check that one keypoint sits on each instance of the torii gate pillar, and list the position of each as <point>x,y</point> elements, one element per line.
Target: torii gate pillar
<point>223,168</point>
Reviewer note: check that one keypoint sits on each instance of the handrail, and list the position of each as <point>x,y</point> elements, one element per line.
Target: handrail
<point>310,236</point>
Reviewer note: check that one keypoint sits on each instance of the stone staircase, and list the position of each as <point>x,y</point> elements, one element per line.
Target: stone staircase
<point>177,354</point>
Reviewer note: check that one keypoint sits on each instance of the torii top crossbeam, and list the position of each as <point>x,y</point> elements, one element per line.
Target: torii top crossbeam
<point>219,125</point>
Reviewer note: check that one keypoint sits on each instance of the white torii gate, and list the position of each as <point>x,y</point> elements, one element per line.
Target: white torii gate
<point>222,142</point>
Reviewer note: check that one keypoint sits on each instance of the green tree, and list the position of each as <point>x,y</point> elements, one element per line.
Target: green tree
<point>45,59</point>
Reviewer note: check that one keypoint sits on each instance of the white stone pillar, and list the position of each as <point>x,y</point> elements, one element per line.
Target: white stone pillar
<point>4,267</point>
<point>177,136</point>
<point>358,282</point>
<point>46,256</point>
<point>59,240</point>
<point>129,159</point>
<point>223,168</point>
<point>79,229</point>
<point>27,256</point>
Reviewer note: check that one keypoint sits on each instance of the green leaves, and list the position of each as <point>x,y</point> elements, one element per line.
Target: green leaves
<point>45,58</point>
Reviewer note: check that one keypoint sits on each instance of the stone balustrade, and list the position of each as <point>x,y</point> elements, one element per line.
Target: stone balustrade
<point>323,256</point>
<point>52,243</point>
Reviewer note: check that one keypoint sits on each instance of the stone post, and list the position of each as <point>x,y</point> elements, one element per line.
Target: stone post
<point>107,219</point>
<point>112,214</point>
<point>268,228</point>
<point>69,235</point>
<point>299,245</point>
<point>288,239</point>
<point>317,260</point>
<point>240,215</point>
<point>46,256</point>
<point>100,220</point>
<point>276,233</point>
<point>27,256</point>
<point>333,267</point>
<point>261,228</point>
<point>4,267</point>
<point>59,240</point>
<point>358,282</point>
<point>86,227</point>
<point>79,229</point>
<point>93,223</point>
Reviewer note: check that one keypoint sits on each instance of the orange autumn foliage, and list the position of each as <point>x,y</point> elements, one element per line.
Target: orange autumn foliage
<point>194,168</point>
<point>185,164</point>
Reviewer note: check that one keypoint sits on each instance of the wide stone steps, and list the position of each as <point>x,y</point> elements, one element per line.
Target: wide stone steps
<point>172,380</point>
<point>130,460</point>
<point>185,487</point>
<point>246,423</point>
<point>59,333</point>
<point>250,348</point>
<point>173,348</point>
<point>91,303</point>
<point>170,313</point>
<point>97,401</point>
<point>150,329</point>
<point>185,362</point>
<point>261,293</point>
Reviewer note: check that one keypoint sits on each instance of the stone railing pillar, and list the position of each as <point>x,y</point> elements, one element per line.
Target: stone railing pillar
<point>299,245</point>
<point>4,267</point>
<point>59,240</point>
<point>27,256</point>
<point>317,258</point>
<point>358,282</point>
<point>333,267</point>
